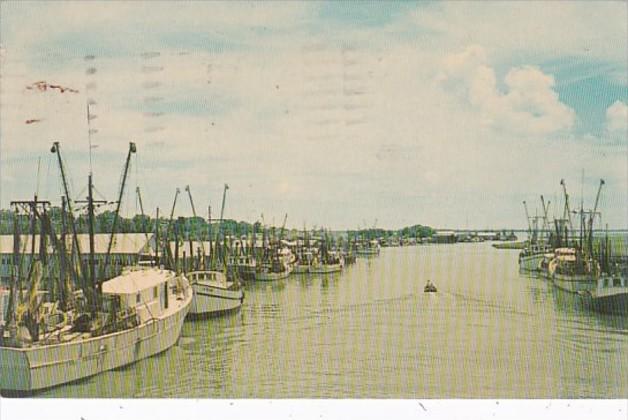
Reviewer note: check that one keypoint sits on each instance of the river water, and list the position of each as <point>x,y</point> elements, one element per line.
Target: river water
<point>370,331</point>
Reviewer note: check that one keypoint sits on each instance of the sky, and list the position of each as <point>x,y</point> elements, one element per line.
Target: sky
<point>339,114</point>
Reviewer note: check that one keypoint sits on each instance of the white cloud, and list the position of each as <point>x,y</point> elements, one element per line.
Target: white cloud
<point>617,118</point>
<point>330,131</point>
<point>529,104</point>
<point>514,29</point>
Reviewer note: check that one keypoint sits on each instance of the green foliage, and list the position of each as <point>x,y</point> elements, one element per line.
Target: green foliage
<point>190,227</point>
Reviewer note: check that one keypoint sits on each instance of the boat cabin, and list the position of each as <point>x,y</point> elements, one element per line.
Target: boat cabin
<point>145,291</point>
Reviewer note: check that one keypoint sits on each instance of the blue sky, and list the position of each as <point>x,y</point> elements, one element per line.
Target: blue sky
<point>338,113</point>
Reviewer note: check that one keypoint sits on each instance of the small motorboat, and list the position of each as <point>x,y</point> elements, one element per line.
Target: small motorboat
<point>430,288</point>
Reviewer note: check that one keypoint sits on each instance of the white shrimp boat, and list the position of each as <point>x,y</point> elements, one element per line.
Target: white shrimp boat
<point>372,249</point>
<point>244,265</point>
<point>326,268</point>
<point>151,305</point>
<point>566,274</point>
<point>301,268</point>
<point>214,294</point>
<point>303,262</point>
<point>272,272</point>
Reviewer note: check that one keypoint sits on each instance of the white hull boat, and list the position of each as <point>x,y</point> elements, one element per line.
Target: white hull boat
<point>301,269</point>
<point>272,276</point>
<point>326,268</point>
<point>570,274</point>
<point>213,294</point>
<point>156,299</point>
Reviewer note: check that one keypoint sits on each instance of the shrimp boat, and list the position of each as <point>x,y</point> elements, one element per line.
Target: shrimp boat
<point>214,294</point>
<point>369,249</point>
<point>214,291</point>
<point>537,246</point>
<point>55,333</point>
<point>570,272</point>
<point>275,270</point>
<point>243,265</point>
<point>577,269</point>
<point>331,263</point>
<point>610,294</point>
<point>304,259</point>
<point>147,310</point>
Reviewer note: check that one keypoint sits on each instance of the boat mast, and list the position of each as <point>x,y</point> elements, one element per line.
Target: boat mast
<point>16,274</point>
<point>62,255</point>
<point>76,250</point>
<point>139,198</point>
<point>592,217</point>
<point>567,210</point>
<point>209,235</point>
<point>92,251</point>
<point>157,243</point>
<point>525,206</point>
<point>169,227</point>
<point>545,210</point>
<point>222,213</point>
<point>116,216</point>
<point>187,189</point>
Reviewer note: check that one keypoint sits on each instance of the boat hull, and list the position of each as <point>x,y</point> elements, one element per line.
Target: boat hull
<point>272,276</point>
<point>301,269</point>
<point>574,283</point>
<point>246,272</point>
<point>209,300</point>
<point>367,252</point>
<point>611,302</point>
<point>326,269</point>
<point>25,370</point>
<point>531,263</point>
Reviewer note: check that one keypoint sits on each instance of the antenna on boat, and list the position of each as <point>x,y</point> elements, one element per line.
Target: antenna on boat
<point>89,137</point>
<point>38,169</point>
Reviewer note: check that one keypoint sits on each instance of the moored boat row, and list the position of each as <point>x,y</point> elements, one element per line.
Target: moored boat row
<point>574,261</point>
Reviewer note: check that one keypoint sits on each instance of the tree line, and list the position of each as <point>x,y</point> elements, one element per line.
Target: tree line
<point>190,227</point>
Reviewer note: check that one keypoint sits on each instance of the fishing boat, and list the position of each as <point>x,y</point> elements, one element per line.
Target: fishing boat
<point>146,312</point>
<point>610,294</point>
<point>577,269</point>
<point>319,268</point>
<point>304,258</point>
<point>73,323</point>
<point>571,272</point>
<point>243,265</point>
<point>275,270</point>
<point>214,294</point>
<point>330,263</point>
<point>537,245</point>
<point>368,249</point>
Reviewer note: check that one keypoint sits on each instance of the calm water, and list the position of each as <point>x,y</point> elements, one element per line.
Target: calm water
<point>372,332</point>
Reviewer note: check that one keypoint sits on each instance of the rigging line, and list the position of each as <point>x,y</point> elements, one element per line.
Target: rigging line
<point>98,193</point>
